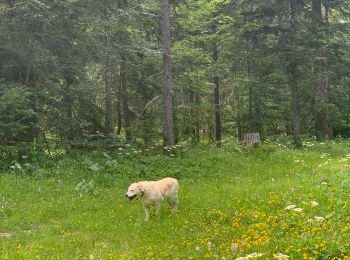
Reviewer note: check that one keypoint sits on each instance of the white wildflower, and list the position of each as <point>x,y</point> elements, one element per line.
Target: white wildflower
<point>210,245</point>
<point>250,256</point>
<point>319,219</point>
<point>197,248</point>
<point>298,210</point>
<point>281,256</point>
<point>314,203</point>
<point>234,247</point>
<point>290,207</point>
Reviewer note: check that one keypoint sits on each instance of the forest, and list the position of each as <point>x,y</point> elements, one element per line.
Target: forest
<point>78,74</point>
<point>98,95</point>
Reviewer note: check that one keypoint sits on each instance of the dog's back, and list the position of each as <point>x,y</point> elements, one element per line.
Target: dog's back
<point>169,187</point>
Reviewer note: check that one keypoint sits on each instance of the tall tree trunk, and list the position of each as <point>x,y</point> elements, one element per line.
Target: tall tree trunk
<point>119,103</point>
<point>237,113</point>
<point>217,99</point>
<point>108,79</point>
<point>250,91</point>
<point>28,70</point>
<point>322,81</point>
<point>348,110</point>
<point>145,122</point>
<point>294,85</point>
<point>197,102</point>
<point>168,122</point>
<point>296,113</point>
<point>68,103</point>
<point>124,97</point>
<point>123,87</point>
<point>108,98</point>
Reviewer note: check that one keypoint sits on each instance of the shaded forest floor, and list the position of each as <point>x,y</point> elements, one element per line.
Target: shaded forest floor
<point>232,203</point>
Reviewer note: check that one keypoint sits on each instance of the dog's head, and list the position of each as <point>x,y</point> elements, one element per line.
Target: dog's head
<point>134,190</point>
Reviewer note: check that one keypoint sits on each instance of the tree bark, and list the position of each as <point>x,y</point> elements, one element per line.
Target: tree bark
<point>108,79</point>
<point>119,103</point>
<point>250,91</point>
<point>125,101</point>
<point>168,122</point>
<point>217,100</point>
<point>322,82</point>
<point>108,99</point>
<point>294,85</point>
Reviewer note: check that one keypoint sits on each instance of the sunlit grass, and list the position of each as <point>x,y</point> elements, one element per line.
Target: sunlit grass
<point>233,203</point>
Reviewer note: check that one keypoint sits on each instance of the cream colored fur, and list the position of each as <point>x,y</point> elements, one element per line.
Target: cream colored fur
<point>153,193</point>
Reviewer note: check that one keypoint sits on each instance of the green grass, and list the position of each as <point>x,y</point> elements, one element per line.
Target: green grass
<point>232,203</point>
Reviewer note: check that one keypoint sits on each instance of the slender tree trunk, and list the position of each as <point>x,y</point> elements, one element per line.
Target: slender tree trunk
<point>145,122</point>
<point>122,102</point>
<point>68,103</point>
<point>119,103</point>
<point>322,81</point>
<point>294,85</point>
<point>348,110</point>
<point>217,100</point>
<point>237,114</point>
<point>192,117</point>
<point>250,92</point>
<point>167,75</point>
<point>28,70</point>
<point>108,98</point>
<point>108,80</point>
<point>197,101</point>
<point>125,101</point>
<point>296,113</point>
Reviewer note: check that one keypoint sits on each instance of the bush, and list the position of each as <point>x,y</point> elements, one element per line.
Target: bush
<point>17,120</point>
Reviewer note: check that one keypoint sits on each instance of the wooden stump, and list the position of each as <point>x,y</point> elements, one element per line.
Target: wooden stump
<point>252,139</point>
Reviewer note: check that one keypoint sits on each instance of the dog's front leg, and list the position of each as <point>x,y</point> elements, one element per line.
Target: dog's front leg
<point>157,208</point>
<point>147,211</point>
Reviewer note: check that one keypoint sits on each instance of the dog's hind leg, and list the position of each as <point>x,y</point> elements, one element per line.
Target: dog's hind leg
<point>173,203</point>
<point>147,211</point>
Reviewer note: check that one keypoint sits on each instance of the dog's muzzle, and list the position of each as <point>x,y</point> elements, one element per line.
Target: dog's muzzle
<point>131,197</point>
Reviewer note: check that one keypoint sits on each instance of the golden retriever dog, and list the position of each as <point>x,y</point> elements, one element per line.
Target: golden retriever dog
<point>152,193</point>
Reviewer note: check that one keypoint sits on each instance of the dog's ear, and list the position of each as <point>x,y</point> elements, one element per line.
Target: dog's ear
<point>141,188</point>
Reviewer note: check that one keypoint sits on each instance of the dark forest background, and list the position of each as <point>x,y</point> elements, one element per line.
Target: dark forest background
<point>86,73</point>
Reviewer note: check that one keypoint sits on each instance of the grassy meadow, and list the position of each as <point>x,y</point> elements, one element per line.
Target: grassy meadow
<point>234,202</point>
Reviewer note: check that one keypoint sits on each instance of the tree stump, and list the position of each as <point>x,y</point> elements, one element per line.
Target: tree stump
<point>252,139</point>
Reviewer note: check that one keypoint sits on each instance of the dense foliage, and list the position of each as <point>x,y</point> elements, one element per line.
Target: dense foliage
<point>71,70</point>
